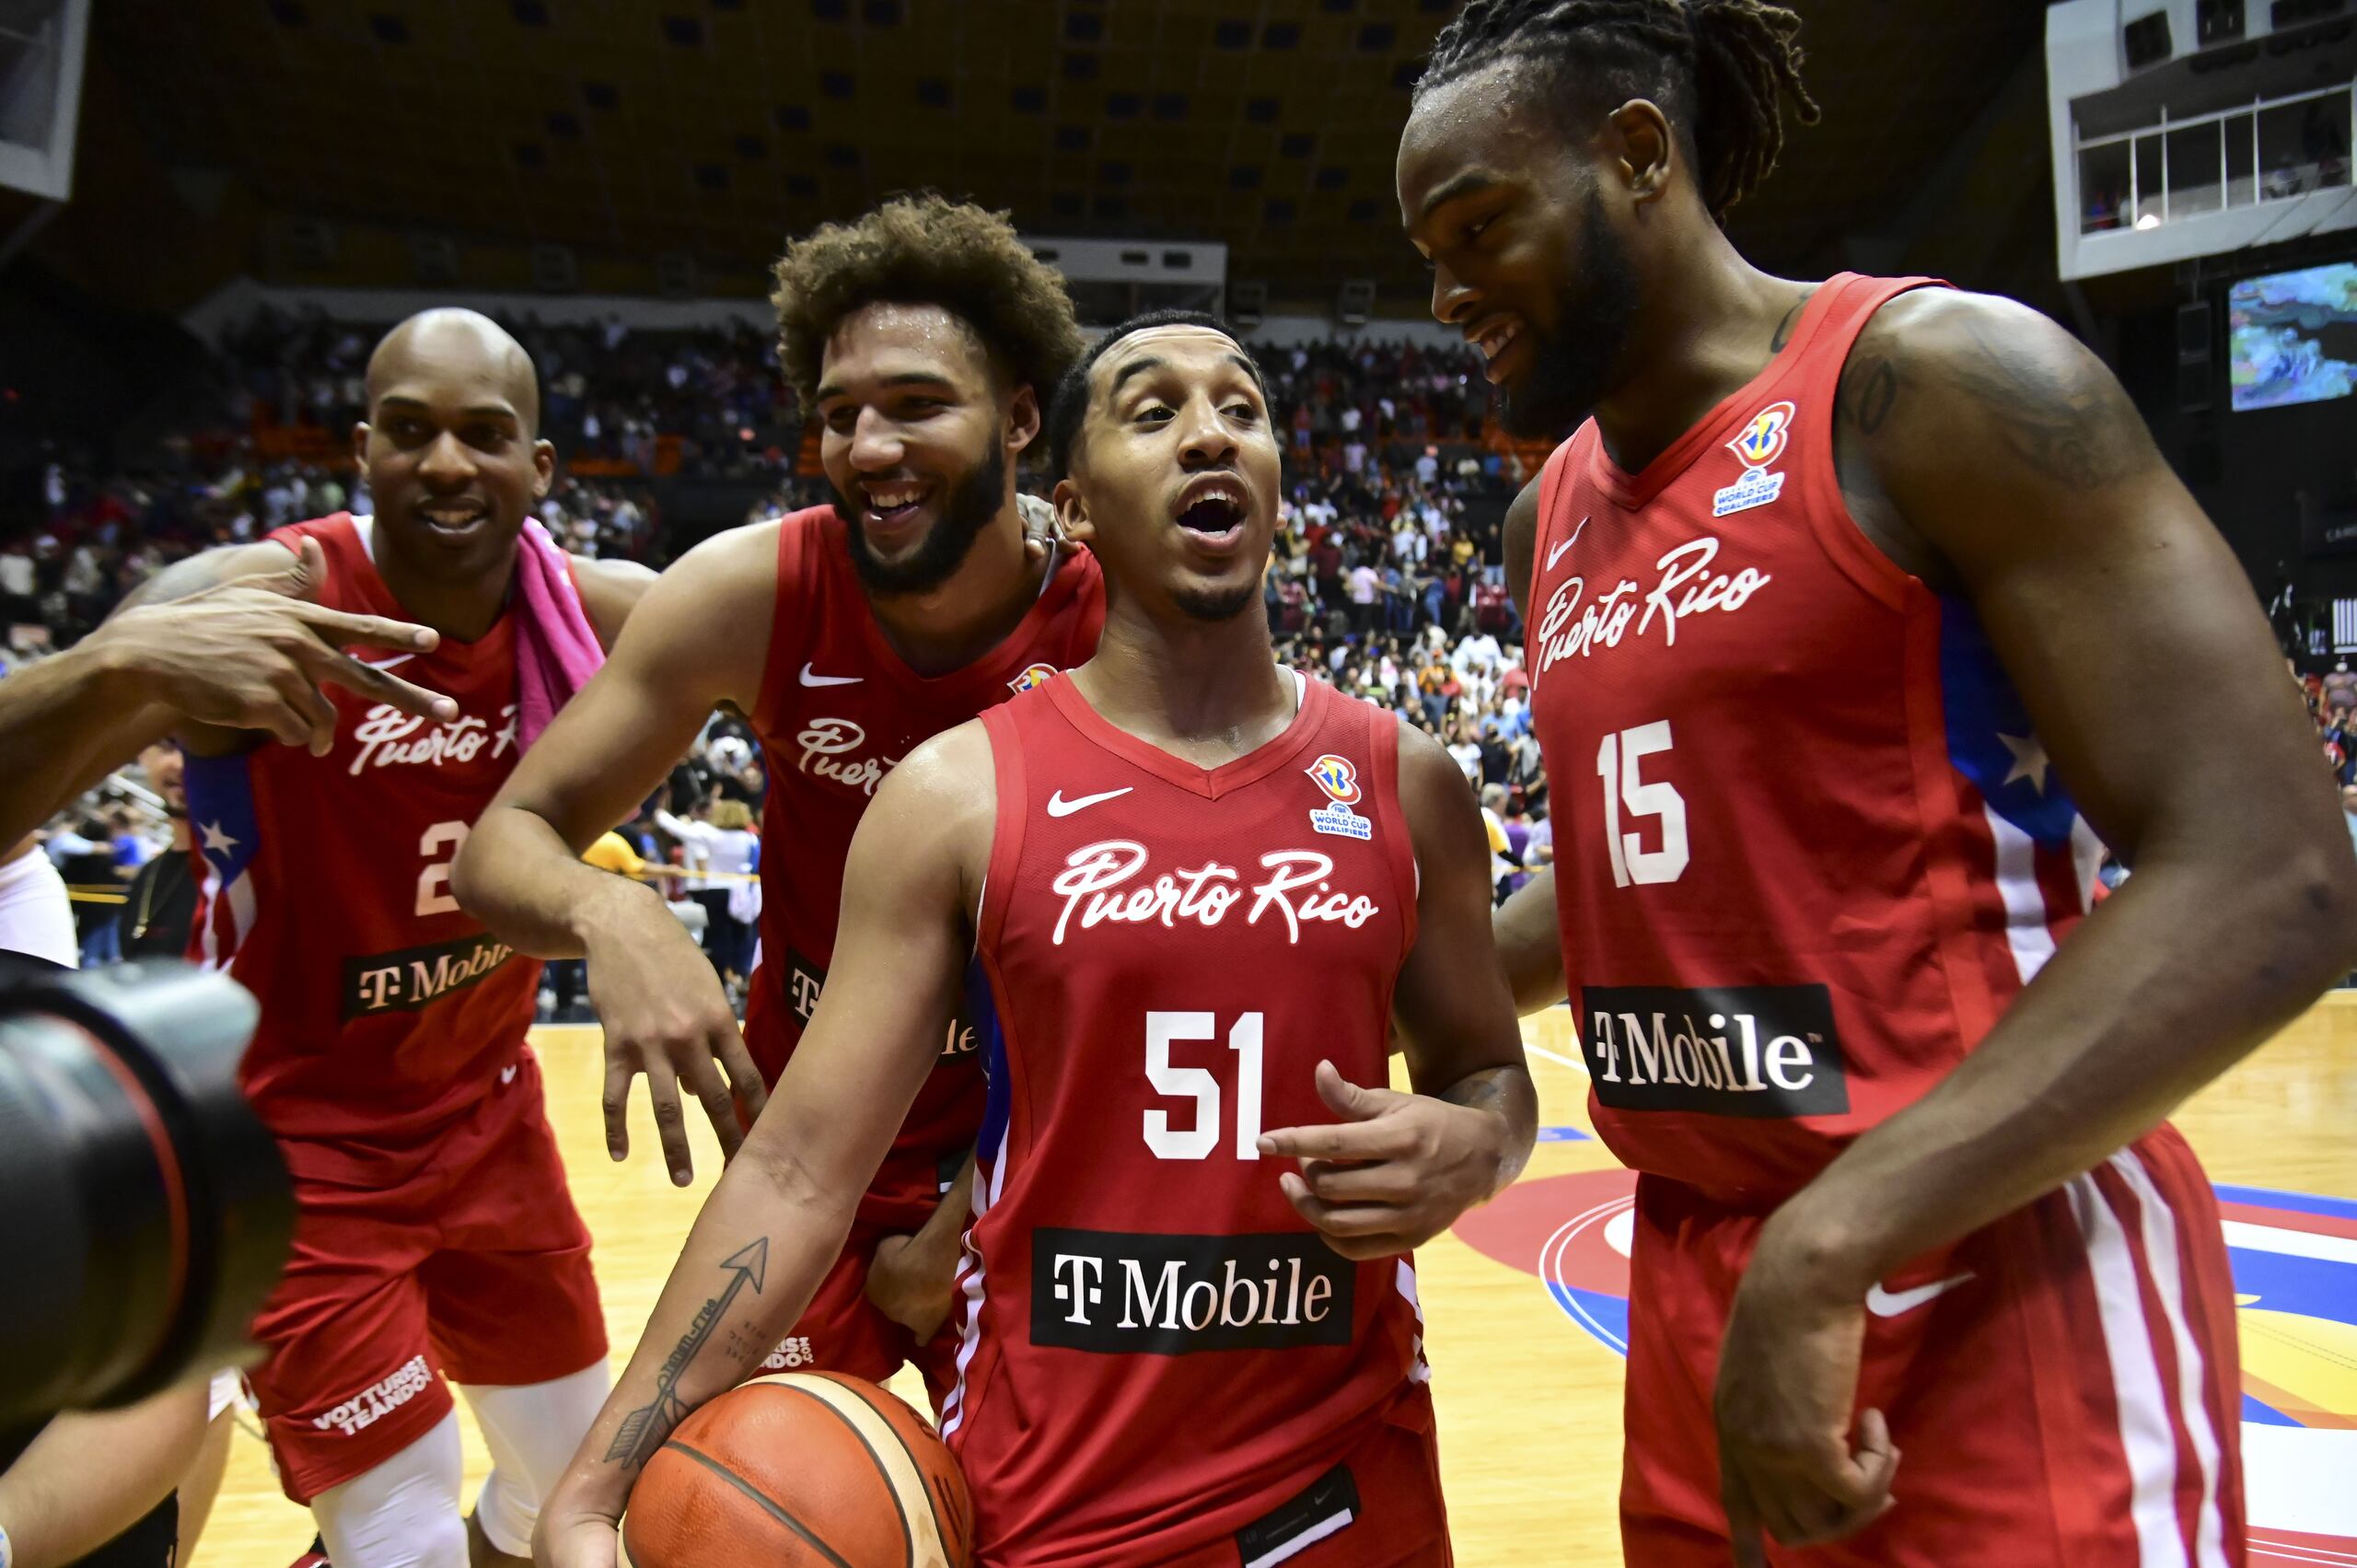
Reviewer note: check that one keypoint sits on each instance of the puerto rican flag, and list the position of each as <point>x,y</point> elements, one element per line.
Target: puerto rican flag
<point>2033,856</point>
<point>228,835</point>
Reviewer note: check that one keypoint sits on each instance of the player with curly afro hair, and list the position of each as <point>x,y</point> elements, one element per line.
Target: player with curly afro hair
<point>926,249</point>
<point>923,338</point>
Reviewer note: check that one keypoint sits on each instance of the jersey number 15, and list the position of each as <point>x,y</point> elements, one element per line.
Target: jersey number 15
<point>1617,760</point>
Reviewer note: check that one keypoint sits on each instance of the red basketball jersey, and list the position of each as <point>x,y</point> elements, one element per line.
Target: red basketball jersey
<point>1156,1347</point>
<point>1807,847</point>
<point>385,1010</point>
<point>837,708</point>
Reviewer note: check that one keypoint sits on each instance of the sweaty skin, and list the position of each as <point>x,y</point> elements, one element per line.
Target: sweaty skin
<point>1984,451</point>
<point>907,403</point>
<point>1400,1167</point>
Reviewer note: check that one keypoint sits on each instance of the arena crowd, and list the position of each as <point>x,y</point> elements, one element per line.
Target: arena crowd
<point>1387,575</point>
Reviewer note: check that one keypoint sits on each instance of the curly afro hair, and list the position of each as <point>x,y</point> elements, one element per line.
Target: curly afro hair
<point>926,249</point>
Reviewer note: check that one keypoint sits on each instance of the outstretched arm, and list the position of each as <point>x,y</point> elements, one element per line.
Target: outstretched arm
<point>230,638</point>
<point>1398,1169</point>
<point>697,639</point>
<point>1978,431</point>
<point>773,1228</point>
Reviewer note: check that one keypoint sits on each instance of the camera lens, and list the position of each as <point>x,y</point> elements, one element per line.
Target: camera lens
<point>144,1209</point>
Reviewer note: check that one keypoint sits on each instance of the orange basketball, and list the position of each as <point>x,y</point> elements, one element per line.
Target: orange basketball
<point>805,1469</point>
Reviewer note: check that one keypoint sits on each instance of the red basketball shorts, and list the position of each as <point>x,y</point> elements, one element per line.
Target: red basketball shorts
<point>1380,1507</point>
<point>463,1259</point>
<point>841,1331</point>
<point>2063,1386</point>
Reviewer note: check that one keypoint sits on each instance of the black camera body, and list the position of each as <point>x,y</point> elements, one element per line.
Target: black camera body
<point>144,1212</point>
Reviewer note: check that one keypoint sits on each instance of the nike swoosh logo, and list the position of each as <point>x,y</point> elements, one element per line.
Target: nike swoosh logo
<point>1891,1304</point>
<point>386,663</point>
<point>1557,553</point>
<point>810,680</point>
<point>1059,807</point>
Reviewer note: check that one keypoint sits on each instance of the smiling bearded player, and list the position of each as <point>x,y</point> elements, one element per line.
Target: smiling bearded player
<point>1191,888</point>
<point>923,337</point>
<point>1829,602</point>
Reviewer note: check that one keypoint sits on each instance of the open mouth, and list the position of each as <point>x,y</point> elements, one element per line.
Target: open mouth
<point>887,504</point>
<point>453,517</point>
<point>1213,510</point>
<point>1495,340</point>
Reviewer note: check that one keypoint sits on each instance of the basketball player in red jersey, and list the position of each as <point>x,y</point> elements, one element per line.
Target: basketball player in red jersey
<point>1826,599</point>
<point>436,1234</point>
<point>923,337</point>
<point>1194,888</point>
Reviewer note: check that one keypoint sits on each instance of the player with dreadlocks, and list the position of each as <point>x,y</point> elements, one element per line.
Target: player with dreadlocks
<point>1830,595</point>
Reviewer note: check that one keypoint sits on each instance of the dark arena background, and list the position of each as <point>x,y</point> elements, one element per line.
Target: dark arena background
<point>210,211</point>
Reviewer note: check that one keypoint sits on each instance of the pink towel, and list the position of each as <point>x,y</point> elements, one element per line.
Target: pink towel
<point>557,648</point>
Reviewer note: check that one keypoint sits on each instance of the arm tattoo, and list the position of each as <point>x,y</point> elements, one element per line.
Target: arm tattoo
<point>1485,1090</point>
<point>1791,319</point>
<point>2060,413</point>
<point>1868,388</point>
<point>644,1430</point>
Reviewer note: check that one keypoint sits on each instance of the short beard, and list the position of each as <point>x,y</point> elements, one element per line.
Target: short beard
<point>1216,605</point>
<point>970,507</point>
<point>1572,368</point>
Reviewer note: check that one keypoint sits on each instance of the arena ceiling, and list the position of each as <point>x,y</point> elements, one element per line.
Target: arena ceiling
<point>716,127</point>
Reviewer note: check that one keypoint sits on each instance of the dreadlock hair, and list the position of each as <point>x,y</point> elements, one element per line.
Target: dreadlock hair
<point>1719,69</point>
<point>926,249</point>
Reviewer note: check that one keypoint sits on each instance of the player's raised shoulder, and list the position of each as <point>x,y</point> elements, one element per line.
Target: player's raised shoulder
<point>1942,385</point>
<point>1428,774</point>
<point>948,771</point>
<point>932,821</point>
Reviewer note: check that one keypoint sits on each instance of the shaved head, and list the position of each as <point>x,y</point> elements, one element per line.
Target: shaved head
<point>451,448</point>
<point>466,342</point>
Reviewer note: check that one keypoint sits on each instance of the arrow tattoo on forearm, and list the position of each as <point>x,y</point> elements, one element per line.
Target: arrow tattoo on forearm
<point>644,1430</point>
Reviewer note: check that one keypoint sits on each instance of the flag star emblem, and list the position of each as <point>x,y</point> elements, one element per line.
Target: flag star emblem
<point>217,843</point>
<point>2029,761</point>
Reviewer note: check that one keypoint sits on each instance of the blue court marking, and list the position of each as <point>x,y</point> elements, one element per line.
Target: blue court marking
<point>1564,1135</point>
<point>1606,1317</point>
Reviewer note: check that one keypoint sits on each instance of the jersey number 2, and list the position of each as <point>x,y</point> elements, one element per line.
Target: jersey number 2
<point>433,882</point>
<point>1615,764</point>
<point>1201,1085</point>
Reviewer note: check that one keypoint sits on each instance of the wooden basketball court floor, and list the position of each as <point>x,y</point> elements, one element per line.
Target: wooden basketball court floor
<point>1519,1326</point>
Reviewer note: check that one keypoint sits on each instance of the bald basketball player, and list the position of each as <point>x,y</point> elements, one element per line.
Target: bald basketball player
<point>436,1231</point>
<point>1829,594</point>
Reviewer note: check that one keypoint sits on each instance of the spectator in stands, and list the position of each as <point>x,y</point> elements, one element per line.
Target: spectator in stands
<point>1366,596</point>
<point>1503,863</point>
<point>1538,849</point>
<point>726,850</point>
<point>160,905</point>
<point>1467,751</point>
